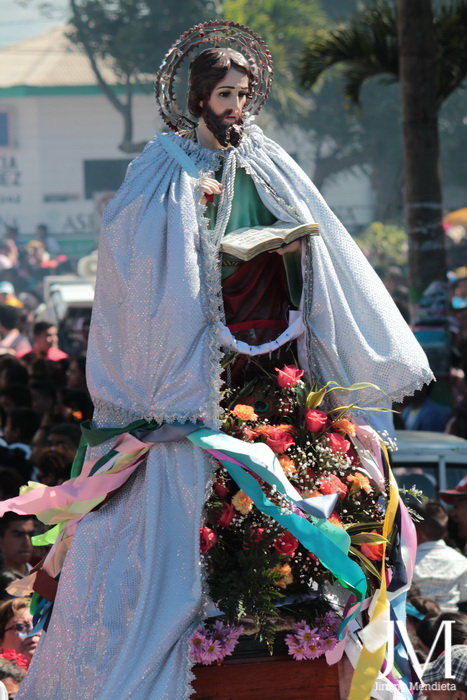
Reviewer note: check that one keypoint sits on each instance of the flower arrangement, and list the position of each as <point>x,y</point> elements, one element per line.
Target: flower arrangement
<point>307,643</point>
<point>259,575</point>
<point>212,644</point>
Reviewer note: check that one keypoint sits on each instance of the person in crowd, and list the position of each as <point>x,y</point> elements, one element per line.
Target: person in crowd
<point>10,482</point>
<point>12,340</point>
<point>418,608</point>
<point>44,400</point>
<point>76,374</point>
<point>44,344</point>
<point>15,542</point>
<point>15,624</point>
<point>6,263</point>
<point>6,577</point>
<point>8,296</point>
<point>420,412</point>
<point>458,499</point>
<point>12,372</point>
<point>20,427</point>
<point>437,684</point>
<point>428,628</point>
<point>54,465</point>
<point>440,571</point>
<point>11,674</point>
<point>49,371</point>
<point>77,405</point>
<point>49,242</point>
<point>14,396</point>
<point>64,435</point>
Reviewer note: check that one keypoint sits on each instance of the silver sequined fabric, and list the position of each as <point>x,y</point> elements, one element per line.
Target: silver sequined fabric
<point>130,590</point>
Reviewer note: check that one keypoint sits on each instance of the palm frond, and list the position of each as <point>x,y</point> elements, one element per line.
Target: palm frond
<point>365,46</point>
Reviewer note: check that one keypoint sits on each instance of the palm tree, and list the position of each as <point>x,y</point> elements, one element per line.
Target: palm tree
<point>368,46</point>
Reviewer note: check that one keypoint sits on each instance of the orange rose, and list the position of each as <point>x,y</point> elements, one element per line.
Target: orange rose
<point>242,502</point>
<point>359,482</point>
<point>373,550</point>
<point>264,429</point>
<point>286,575</point>
<point>335,519</point>
<point>345,426</point>
<point>287,464</point>
<point>244,412</point>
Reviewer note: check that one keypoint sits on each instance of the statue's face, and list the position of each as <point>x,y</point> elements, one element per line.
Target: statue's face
<point>229,97</point>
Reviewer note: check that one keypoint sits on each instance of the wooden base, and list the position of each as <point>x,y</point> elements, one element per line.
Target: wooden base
<point>267,678</point>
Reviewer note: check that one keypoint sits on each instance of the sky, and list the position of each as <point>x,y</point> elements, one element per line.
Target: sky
<point>24,21</point>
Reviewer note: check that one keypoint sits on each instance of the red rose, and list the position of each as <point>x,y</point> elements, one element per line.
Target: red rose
<point>337,443</point>
<point>315,420</point>
<point>207,539</point>
<point>227,515</point>
<point>219,489</point>
<point>288,376</point>
<point>256,535</point>
<point>332,484</point>
<point>373,550</point>
<point>286,544</point>
<point>279,440</point>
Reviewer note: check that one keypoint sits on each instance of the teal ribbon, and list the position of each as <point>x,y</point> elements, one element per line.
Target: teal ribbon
<point>327,541</point>
<point>320,537</point>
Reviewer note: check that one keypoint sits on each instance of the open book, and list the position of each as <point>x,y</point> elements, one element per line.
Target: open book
<point>246,243</point>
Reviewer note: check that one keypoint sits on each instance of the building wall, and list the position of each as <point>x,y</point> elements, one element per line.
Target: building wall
<point>53,137</point>
<point>42,172</point>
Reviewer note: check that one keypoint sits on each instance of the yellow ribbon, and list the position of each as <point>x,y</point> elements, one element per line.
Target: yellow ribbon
<point>371,659</point>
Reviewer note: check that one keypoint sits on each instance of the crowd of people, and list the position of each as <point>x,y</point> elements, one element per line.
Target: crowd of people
<point>43,400</point>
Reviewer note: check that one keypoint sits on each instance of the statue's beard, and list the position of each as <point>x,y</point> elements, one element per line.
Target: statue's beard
<point>225,134</point>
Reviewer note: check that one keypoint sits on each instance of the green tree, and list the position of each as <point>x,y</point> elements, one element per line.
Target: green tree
<point>368,46</point>
<point>285,27</point>
<point>134,34</point>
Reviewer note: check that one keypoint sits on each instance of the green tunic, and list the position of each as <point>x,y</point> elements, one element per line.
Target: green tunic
<point>249,210</point>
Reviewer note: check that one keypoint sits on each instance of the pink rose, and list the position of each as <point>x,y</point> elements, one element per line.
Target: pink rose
<point>288,376</point>
<point>337,443</point>
<point>279,440</point>
<point>219,489</point>
<point>227,515</point>
<point>207,539</point>
<point>315,420</point>
<point>332,484</point>
<point>286,544</point>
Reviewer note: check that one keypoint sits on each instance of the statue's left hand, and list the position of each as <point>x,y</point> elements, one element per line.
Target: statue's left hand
<point>290,248</point>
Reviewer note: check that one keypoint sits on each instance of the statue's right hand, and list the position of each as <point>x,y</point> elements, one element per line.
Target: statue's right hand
<point>209,187</point>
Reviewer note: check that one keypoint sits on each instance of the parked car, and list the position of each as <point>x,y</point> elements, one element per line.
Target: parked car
<point>429,461</point>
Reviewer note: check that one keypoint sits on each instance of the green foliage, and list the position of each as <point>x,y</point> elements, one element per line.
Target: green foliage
<point>366,45</point>
<point>286,27</point>
<point>135,33</point>
<point>242,580</point>
<point>385,245</point>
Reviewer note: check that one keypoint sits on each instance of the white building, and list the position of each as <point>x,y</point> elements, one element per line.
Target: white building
<point>59,139</point>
